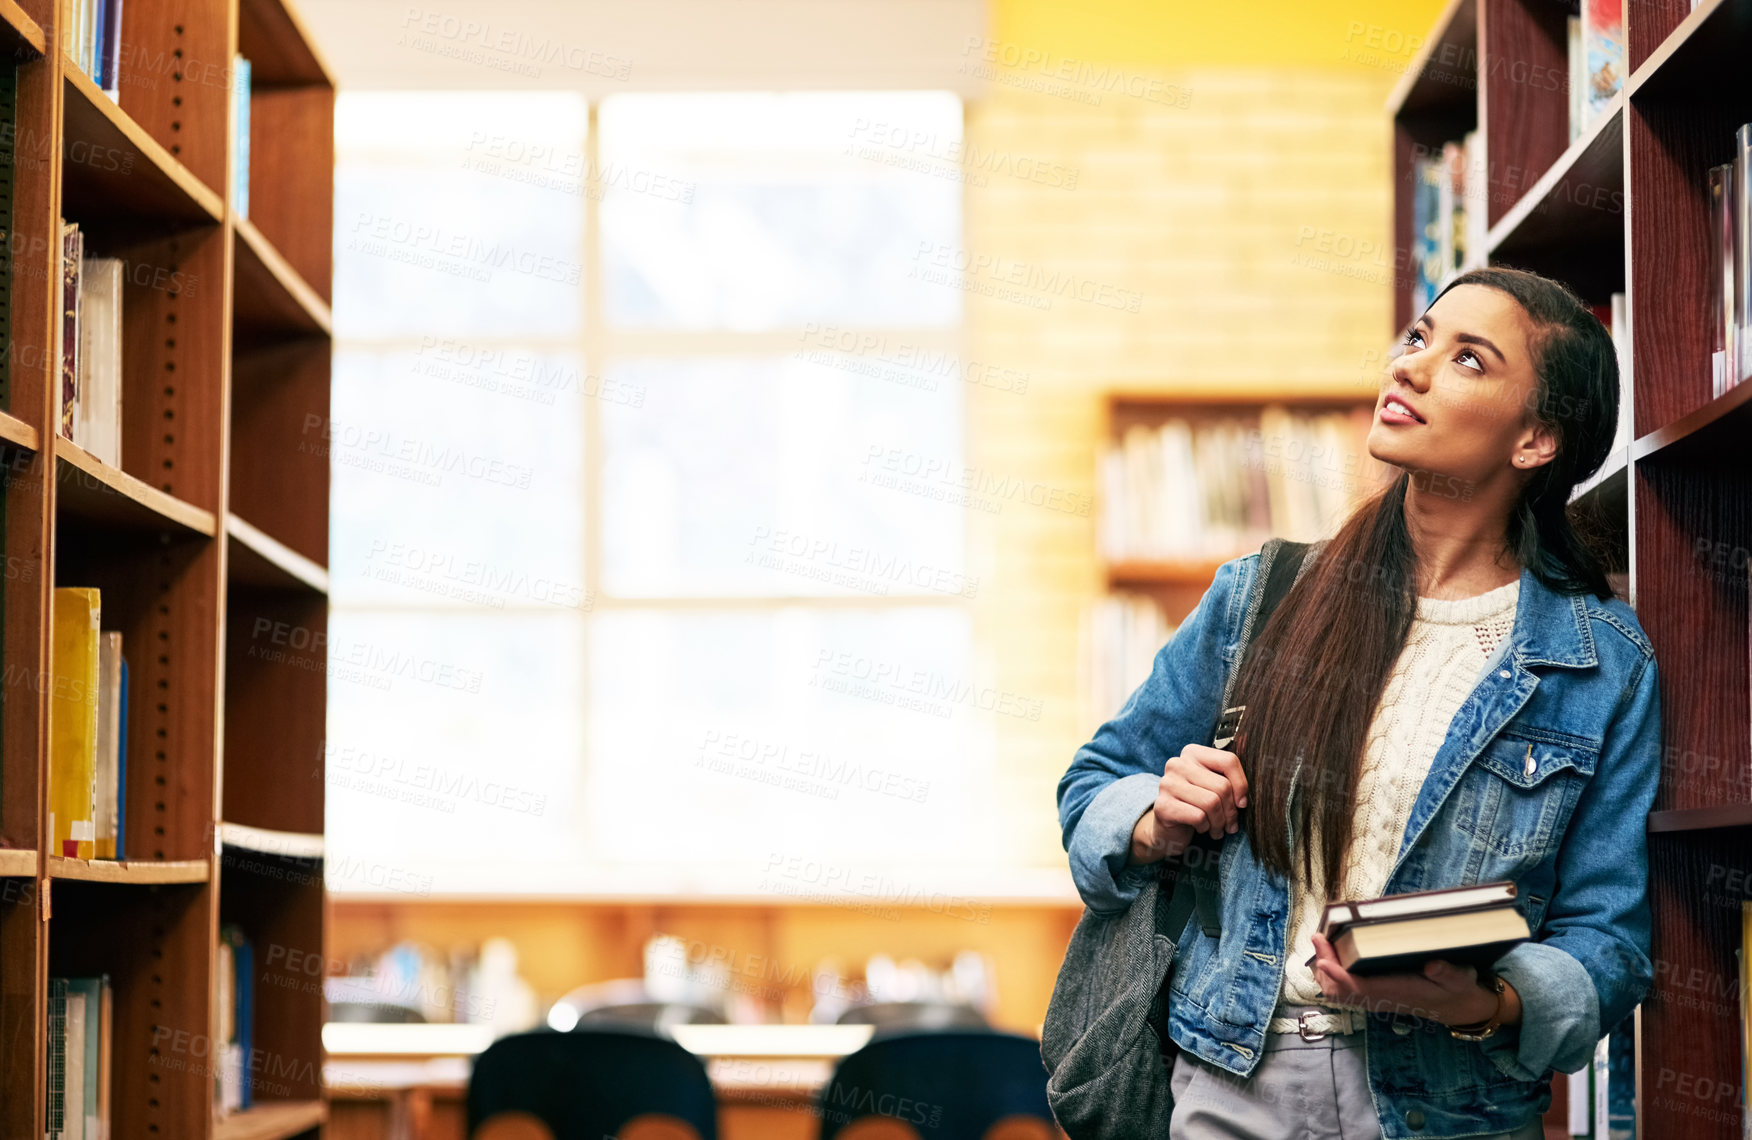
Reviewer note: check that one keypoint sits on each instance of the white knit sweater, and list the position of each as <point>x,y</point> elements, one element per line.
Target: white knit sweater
<point>1448,646</point>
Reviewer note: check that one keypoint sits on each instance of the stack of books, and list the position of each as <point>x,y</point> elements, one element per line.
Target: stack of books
<point>1397,934</point>
<point>94,40</point>
<point>1217,488</point>
<point>90,332</point>
<point>80,1016</point>
<point>88,732</point>
<point>1730,265</point>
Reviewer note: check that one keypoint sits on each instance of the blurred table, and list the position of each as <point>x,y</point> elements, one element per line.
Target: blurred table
<point>408,1082</point>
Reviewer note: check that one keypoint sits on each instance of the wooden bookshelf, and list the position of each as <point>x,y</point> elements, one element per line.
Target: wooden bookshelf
<point>214,573</point>
<point>1176,583</point>
<point>1624,208</point>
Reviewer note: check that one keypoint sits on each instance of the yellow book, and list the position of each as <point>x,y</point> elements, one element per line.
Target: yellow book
<point>73,723</point>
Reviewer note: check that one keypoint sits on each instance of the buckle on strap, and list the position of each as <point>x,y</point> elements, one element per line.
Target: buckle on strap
<point>1305,1030</point>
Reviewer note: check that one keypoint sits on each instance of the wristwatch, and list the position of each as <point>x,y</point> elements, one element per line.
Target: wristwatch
<point>1480,1030</point>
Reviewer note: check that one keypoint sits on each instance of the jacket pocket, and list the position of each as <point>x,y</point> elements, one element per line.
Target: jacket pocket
<point>1516,798</point>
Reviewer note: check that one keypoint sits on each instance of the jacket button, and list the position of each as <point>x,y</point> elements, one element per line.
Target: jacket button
<point>1415,1119</point>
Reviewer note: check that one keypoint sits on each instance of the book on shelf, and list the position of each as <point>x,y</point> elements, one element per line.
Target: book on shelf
<point>1122,634</point>
<point>1218,486</point>
<point>1730,266</point>
<point>94,41</point>
<point>1578,70</point>
<point>90,351</point>
<point>235,979</point>
<point>1448,216</point>
<point>88,727</point>
<point>1602,56</point>
<point>1742,259</point>
<point>97,411</point>
<point>1398,933</point>
<point>80,1030</point>
<point>240,90</point>
<point>72,249</point>
<point>1619,326</point>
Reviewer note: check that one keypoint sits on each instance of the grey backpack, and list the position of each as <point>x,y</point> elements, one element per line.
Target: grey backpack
<point>1105,1041</point>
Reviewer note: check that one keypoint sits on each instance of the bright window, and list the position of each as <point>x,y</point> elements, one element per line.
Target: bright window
<point>647,541</point>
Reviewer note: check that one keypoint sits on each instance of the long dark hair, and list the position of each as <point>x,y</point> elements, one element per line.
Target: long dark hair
<point>1320,664</point>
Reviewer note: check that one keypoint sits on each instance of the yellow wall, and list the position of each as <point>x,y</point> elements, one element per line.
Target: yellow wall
<point>1234,174</point>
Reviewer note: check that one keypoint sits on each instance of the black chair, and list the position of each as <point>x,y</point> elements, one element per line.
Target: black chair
<point>587,1084</point>
<point>914,1016</point>
<point>944,1086</point>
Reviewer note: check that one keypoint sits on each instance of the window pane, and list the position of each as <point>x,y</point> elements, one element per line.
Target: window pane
<point>456,477</point>
<point>453,742</point>
<point>757,211</point>
<point>768,477</point>
<point>448,221</point>
<point>858,735</point>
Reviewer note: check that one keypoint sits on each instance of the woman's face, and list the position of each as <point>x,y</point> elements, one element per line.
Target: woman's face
<point>1458,403</point>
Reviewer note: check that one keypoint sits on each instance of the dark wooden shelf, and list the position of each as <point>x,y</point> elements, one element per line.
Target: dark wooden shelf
<point>20,36</point>
<point>258,559</point>
<point>116,175</point>
<point>1703,58</point>
<point>1570,223</point>
<point>281,53</point>
<point>91,490</point>
<point>270,300</point>
<point>1700,819</point>
<point>1713,434</point>
<point>1441,83</point>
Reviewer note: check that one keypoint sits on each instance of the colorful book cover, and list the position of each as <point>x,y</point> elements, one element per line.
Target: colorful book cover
<point>1603,49</point>
<point>1742,259</point>
<point>1426,234</point>
<point>109,683</point>
<point>73,722</point>
<point>55,1119</point>
<point>240,178</point>
<point>72,247</point>
<point>122,766</point>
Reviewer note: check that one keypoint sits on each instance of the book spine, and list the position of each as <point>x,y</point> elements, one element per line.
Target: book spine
<point>1742,260</point>
<point>69,328</point>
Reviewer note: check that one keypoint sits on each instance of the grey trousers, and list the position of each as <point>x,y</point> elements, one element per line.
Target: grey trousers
<point>1302,1090</point>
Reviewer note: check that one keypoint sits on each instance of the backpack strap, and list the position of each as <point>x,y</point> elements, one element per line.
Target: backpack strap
<point>1195,885</point>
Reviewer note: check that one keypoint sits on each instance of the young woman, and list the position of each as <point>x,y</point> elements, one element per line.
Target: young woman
<point>1448,695</point>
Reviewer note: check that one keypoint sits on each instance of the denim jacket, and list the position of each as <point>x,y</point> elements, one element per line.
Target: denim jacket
<point>1545,778</point>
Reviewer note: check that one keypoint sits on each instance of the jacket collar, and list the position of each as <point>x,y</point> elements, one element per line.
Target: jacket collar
<point>1551,628</point>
